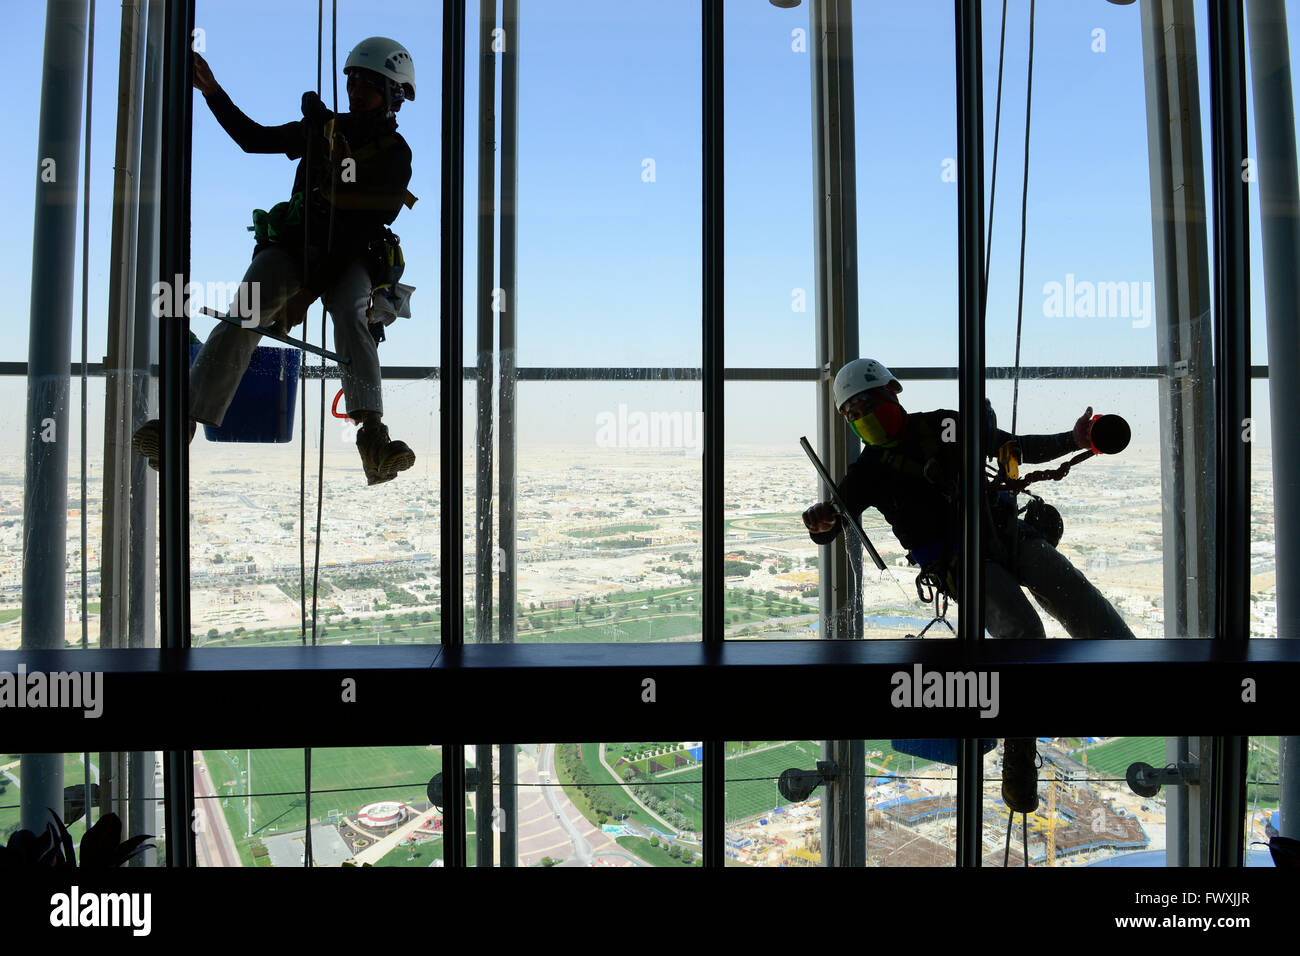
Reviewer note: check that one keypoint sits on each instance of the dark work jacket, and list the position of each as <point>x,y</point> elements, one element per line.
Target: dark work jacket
<point>915,484</point>
<point>362,208</point>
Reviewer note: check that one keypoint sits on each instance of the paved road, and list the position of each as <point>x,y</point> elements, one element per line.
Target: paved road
<point>216,845</point>
<point>549,823</point>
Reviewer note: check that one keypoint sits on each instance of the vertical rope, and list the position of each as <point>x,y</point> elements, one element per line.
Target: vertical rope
<point>320,469</point>
<point>1011,825</point>
<point>993,183</point>
<point>1024,831</point>
<point>85,326</point>
<point>329,243</point>
<point>1024,198</point>
<point>307,860</point>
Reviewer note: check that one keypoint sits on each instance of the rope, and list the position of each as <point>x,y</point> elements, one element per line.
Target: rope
<point>993,183</point>
<point>1024,198</point>
<point>1018,485</point>
<point>1011,824</point>
<point>931,582</point>
<point>85,335</point>
<point>329,242</point>
<point>302,457</point>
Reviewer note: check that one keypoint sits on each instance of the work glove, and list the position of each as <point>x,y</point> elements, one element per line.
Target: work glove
<point>314,111</point>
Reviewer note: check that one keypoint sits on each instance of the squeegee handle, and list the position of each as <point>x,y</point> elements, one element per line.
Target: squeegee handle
<point>845,515</point>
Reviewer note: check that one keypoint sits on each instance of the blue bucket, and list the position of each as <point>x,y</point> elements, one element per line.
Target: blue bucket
<point>263,406</point>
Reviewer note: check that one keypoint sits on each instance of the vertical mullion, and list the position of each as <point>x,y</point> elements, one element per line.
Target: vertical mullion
<point>714,595</point>
<point>506,468</point>
<point>1232,397</point>
<point>970,374</point>
<point>451,389</point>
<point>173,400</point>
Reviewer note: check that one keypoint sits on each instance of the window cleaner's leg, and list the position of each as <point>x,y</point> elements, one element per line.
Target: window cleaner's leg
<point>220,365</point>
<point>1065,593</point>
<point>1007,612</point>
<point>223,359</point>
<point>346,300</point>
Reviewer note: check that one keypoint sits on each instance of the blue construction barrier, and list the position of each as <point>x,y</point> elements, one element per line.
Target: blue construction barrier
<point>938,750</point>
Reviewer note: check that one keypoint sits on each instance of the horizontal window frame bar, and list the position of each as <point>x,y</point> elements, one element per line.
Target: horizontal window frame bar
<point>555,693</point>
<point>539,373</point>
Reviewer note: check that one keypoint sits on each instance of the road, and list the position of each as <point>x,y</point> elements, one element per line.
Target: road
<point>215,844</point>
<point>549,823</point>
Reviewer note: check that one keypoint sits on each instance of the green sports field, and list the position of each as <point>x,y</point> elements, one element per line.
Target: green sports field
<point>343,779</point>
<point>751,774</point>
<point>1112,758</point>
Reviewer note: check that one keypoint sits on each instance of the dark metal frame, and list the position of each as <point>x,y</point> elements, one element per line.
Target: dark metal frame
<point>1232,399</point>
<point>970,265</point>
<point>713,598</point>
<point>461,674</point>
<point>452,390</point>
<point>173,400</point>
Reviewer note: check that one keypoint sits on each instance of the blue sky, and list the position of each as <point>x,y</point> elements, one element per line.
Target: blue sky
<point>609,264</point>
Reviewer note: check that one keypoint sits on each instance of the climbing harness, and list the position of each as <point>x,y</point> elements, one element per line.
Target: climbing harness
<point>931,587</point>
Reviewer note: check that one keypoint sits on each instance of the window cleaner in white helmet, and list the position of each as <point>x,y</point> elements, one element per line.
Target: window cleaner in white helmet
<point>910,471</point>
<point>353,169</point>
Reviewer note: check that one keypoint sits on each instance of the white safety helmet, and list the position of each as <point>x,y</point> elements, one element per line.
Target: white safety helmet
<point>862,375</point>
<point>387,58</point>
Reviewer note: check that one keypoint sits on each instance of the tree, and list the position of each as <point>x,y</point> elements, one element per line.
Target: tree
<point>212,632</point>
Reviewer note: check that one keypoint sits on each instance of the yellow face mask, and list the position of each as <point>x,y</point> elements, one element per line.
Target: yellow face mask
<point>881,427</point>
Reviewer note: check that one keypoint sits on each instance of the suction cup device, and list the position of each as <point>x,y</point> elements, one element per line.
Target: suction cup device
<point>1139,779</point>
<point>1146,780</point>
<point>1109,435</point>
<point>434,790</point>
<point>797,785</point>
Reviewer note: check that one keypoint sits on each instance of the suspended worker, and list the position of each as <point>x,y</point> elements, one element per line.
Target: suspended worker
<point>910,471</point>
<point>354,169</point>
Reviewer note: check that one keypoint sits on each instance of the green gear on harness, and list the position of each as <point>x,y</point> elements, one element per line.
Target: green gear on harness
<point>282,223</point>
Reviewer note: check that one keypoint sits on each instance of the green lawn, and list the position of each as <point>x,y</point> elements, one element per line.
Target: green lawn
<point>425,853</point>
<point>654,855</point>
<point>74,773</point>
<point>636,616</point>
<point>1112,758</point>
<point>377,773</point>
<point>608,530</point>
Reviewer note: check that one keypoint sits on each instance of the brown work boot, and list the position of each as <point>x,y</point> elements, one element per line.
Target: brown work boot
<point>147,441</point>
<point>381,457</point>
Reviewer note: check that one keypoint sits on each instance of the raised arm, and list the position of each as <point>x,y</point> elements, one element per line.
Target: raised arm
<point>251,137</point>
<point>1040,448</point>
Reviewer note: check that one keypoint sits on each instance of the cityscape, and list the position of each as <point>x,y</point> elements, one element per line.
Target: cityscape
<point>608,547</point>
<point>608,550</point>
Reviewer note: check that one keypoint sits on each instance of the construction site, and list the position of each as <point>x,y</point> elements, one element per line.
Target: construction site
<point>912,821</point>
